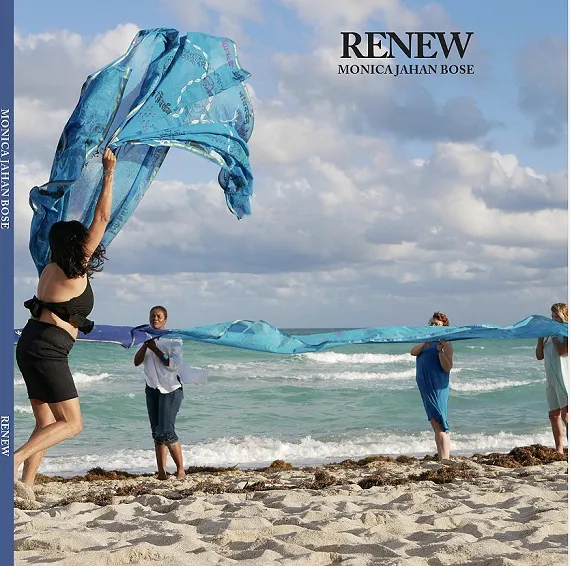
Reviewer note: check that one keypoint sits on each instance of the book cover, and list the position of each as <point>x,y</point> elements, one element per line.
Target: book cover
<point>407,157</point>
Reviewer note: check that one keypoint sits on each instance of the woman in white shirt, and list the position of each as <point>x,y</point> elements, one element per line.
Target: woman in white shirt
<point>161,358</point>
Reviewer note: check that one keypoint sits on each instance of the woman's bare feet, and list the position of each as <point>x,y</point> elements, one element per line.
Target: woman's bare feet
<point>180,474</point>
<point>24,491</point>
<point>162,475</point>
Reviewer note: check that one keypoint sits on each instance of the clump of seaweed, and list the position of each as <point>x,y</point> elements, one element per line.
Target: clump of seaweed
<point>522,456</point>
<point>366,461</point>
<point>430,458</point>
<point>99,498</point>
<point>95,474</point>
<point>322,479</point>
<point>372,459</point>
<point>279,465</point>
<point>207,486</point>
<point>446,474</point>
<point>344,464</point>
<point>257,486</point>
<point>403,459</point>
<point>381,480</point>
<point>209,469</point>
<point>134,489</point>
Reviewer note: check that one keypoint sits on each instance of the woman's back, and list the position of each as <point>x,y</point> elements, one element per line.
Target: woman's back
<point>55,287</point>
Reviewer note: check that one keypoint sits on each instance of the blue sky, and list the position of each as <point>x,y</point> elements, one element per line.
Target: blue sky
<point>502,29</point>
<point>373,194</point>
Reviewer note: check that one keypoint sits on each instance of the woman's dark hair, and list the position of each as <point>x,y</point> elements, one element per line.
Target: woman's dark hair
<point>67,248</point>
<point>160,308</point>
<point>440,316</point>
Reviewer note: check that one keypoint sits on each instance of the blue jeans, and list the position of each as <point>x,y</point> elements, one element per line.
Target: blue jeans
<point>162,410</point>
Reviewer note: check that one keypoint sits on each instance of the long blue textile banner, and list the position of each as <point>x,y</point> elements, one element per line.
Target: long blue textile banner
<point>263,337</point>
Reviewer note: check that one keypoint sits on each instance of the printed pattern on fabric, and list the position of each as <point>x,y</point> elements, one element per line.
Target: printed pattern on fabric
<point>166,91</point>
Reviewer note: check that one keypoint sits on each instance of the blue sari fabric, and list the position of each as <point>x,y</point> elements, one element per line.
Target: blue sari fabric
<point>263,337</point>
<point>165,91</point>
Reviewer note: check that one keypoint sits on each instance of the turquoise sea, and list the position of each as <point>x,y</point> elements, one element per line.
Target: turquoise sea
<point>306,409</point>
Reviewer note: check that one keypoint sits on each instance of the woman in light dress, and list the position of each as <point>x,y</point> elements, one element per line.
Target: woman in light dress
<point>554,351</point>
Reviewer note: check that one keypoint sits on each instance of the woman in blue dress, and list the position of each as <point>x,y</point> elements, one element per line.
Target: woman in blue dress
<point>434,361</point>
<point>554,351</point>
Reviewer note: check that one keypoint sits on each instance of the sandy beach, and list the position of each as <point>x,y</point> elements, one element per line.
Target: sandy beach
<point>496,510</point>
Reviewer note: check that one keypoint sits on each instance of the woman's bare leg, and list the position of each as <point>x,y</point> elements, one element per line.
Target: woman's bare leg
<point>555,418</point>
<point>44,417</point>
<point>442,441</point>
<point>68,423</point>
<point>161,452</point>
<point>176,453</point>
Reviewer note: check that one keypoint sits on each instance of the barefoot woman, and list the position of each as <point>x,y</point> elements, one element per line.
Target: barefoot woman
<point>62,303</point>
<point>161,358</point>
<point>554,351</point>
<point>434,361</point>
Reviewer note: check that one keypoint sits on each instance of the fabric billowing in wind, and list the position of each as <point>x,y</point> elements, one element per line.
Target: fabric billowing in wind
<point>263,337</point>
<point>166,91</point>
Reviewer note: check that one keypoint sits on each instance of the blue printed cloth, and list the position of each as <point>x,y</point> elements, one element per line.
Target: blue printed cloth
<point>165,91</point>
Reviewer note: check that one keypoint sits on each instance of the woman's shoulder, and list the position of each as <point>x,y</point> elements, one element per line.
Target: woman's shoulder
<point>49,268</point>
<point>53,270</point>
<point>53,280</point>
<point>50,274</point>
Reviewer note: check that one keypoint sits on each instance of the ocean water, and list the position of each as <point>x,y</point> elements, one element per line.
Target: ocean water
<point>306,409</point>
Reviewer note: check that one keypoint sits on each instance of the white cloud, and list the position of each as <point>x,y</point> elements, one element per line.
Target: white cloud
<point>53,66</point>
<point>335,13</point>
<point>104,47</point>
<point>277,138</point>
<point>26,176</point>
<point>215,16</point>
<point>333,214</point>
<point>37,122</point>
<point>375,104</point>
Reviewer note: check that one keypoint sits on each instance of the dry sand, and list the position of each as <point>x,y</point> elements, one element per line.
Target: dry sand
<point>374,512</point>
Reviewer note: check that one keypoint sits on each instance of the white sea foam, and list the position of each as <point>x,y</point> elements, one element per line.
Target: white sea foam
<point>24,409</point>
<point>402,375</point>
<point>355,376</point>
<point>84,378</point>
<point>488,385</point>
<point>260,451</point>
<point>229,367</point>
<point>364,358</point>
<point>78,377</point>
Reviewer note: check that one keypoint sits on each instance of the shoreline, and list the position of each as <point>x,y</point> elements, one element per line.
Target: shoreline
<point>268,477</point>
<point>493,510</point>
